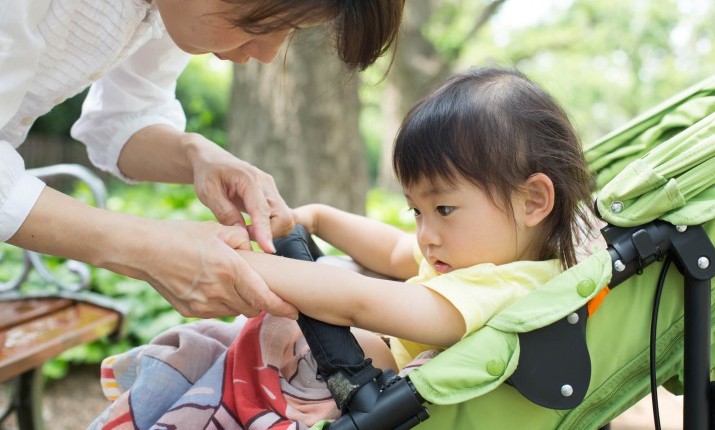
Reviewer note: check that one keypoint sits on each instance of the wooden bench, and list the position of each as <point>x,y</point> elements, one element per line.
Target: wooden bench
<point>36,327</point>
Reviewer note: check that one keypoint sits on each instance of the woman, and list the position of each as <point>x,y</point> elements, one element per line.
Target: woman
<point>131,52</point>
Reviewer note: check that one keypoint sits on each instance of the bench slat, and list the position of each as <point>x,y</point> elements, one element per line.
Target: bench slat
<point>31,342</point>
<point>16,312</point>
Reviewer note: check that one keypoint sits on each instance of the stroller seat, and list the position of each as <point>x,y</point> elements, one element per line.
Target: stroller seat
<point>465,395</point>
<point>657,170</point>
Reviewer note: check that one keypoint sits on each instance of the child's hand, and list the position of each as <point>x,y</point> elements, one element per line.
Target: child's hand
<point>307,216</point>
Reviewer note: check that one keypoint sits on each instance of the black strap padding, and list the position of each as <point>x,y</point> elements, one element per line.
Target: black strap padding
<point>554,367</point>
<point>334,347</point>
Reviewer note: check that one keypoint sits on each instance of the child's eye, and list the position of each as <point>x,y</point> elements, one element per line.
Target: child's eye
<point>445,210</point>
<point>415,211</point>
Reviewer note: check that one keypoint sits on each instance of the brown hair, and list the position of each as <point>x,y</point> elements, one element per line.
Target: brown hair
<point>363,30</point>
<point>495,128</point>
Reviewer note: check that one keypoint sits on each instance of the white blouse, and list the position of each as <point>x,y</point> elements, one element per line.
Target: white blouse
<point>50,50</point>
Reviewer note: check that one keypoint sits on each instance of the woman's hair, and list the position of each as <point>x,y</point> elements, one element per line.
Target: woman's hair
<point>363,30</point>
<point>495,128</point>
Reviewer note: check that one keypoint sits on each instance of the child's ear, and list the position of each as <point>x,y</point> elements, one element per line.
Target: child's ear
<point>539,199</point>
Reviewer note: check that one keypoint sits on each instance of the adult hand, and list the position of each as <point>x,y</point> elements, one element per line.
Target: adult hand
<point>229,186</point>
<point>195,267</point>
<point>226,185</point>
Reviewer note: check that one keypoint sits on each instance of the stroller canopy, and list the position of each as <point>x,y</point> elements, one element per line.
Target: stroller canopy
<point>661,165</point>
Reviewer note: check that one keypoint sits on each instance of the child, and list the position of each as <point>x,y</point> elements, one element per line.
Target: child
<point>496,178</point>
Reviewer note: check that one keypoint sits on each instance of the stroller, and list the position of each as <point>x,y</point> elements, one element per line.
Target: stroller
<point>581,350</point>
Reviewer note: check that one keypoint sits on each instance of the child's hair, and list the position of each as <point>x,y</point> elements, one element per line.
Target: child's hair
<point>363,29</point>
<point>495,128</point>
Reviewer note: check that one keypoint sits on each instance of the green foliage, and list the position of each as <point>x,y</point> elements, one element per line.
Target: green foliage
<point>372,136</point>
<point>157,201</point>
<point>60,119</point>
<point>605,61</point>
<point>390,208</point>
<point>204,90</point>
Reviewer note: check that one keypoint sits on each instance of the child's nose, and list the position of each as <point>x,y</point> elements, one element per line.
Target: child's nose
<point>427,235</point>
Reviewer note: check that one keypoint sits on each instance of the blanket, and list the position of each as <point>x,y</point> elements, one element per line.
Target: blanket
<point>251,374</point>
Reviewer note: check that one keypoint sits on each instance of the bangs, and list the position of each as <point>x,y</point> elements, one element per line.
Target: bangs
<point>267,17</point>
<point>443,137</point>
<point>422,151</point>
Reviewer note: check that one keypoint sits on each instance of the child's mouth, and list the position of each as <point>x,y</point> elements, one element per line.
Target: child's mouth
<point>442,267</point>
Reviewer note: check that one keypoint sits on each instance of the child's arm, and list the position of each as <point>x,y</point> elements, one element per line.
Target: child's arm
<point>376,246</point>
<point>340,296</point>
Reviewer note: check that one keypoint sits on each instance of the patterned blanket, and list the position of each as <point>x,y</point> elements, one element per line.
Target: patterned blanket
<point>250,374</point>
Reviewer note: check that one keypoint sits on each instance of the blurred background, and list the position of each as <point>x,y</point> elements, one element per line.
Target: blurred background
<point>326,136</point>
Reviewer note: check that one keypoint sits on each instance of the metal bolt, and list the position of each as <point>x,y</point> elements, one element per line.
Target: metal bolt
<point>619,266</point>
<point>566,390</point>
<point>617,207</point>
<point>681,228</point>
<point>703,262</point>
<point>573,318</point>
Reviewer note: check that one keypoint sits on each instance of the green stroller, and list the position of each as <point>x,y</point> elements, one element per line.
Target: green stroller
<point>587,346</point>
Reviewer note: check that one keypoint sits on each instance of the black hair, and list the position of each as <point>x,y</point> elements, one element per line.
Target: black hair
<point>363,30</point>
<point>495,128</point>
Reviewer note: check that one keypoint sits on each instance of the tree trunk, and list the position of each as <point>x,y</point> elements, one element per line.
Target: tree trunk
<point>416,71</point>
<point>416,67</point>
<point>298,121</point>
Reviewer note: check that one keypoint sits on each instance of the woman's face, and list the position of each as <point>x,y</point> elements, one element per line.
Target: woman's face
<point>204,26</point>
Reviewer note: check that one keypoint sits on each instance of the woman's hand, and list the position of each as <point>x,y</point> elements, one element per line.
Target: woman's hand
<point>195,267</point>
<point>226,185</point>
<point>229,186</point>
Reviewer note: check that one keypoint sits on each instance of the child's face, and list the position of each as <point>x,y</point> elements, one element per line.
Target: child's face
<point>459,226</point>
<point>203,27</point>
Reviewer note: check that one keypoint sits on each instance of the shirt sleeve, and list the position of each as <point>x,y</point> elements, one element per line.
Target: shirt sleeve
<point>20,48</point>
<point>138,93</point>
<point>482,291</point>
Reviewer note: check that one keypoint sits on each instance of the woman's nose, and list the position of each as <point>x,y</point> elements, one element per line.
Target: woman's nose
<point>265,48</point>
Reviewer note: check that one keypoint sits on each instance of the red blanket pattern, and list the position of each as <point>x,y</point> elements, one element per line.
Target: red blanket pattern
<point>198,377</point>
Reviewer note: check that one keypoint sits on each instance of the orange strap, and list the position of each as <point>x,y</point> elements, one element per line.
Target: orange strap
<point>595,302</point>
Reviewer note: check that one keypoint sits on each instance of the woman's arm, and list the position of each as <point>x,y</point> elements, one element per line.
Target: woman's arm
<point>192,264</point>
<point>133,126</point>
<point>375,245</point>
<point>340,296</point>
<point>225,184</point>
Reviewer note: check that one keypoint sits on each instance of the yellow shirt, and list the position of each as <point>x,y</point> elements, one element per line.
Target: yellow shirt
<point>478,292</point>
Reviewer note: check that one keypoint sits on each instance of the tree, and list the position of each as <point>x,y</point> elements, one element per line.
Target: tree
<point>421,62</point>
<point>298,121</point>
<point>606,61</point>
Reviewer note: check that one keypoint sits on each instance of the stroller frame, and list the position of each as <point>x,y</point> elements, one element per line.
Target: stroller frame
<point>632,249</point>
<point>391,402</point>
